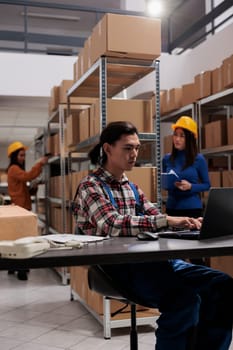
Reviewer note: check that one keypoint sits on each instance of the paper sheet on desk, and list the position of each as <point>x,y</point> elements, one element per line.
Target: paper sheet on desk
<point>68,237</point>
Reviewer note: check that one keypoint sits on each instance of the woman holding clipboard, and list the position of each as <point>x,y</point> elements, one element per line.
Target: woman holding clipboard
<point>190,168</point>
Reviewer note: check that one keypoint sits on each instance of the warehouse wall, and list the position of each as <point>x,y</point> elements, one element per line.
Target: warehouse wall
<point>178,70</point>
<point>31,74</point>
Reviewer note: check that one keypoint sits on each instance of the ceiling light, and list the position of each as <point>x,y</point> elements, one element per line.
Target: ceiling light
<point>51,16</point>
<point>177,51</point>
<point>154,7</point>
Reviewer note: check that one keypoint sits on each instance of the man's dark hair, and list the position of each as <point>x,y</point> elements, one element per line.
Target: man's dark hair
<point>110,134</point>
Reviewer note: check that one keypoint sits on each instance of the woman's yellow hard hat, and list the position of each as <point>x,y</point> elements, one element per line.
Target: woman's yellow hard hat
<point>187,123</point>
<point>15,146</point>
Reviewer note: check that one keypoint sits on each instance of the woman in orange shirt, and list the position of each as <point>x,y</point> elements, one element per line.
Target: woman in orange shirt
<point>17,181</point>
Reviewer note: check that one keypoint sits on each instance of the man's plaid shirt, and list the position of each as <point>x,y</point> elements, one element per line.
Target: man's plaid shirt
<point>96,215</point>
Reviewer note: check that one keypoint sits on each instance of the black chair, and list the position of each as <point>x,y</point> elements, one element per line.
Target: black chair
<point>101,283</point>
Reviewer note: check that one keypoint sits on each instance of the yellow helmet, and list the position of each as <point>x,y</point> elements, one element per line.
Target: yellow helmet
<point>187,123</point>
<point>14,147</point>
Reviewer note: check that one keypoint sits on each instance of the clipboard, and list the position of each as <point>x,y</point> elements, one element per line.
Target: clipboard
<point>168,179</point>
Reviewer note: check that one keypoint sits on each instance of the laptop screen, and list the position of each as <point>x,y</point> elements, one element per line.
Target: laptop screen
<point>218,215</point>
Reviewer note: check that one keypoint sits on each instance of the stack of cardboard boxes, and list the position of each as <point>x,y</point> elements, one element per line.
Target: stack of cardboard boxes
<point>123,37</point>
<point>205,84</point>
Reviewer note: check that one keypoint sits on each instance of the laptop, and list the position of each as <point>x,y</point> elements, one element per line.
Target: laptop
<point>217,219</point>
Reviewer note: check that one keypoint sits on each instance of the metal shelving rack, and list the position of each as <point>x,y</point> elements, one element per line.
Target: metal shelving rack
<point>4,192</point>
<point>39,146</point>
<point>105,79</point>
<point>217,102</point>
<point>57,123</point>
<point>221,101</point>
<point>190,110</point>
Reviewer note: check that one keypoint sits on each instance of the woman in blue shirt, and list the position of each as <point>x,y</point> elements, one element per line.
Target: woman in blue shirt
<point>184,195</point>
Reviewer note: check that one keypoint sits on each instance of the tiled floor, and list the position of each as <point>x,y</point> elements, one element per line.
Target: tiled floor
<point>38,315</point>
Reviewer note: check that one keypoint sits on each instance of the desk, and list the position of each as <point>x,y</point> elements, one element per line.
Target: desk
<point>125,250</point>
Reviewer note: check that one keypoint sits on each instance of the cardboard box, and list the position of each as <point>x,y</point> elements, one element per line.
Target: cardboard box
<point>56,184</point>
<point>72,127</point>
<point>145,178</point>
<point>56,144</point>
<point>87,54</point>
<point>227,178</point>
<point>163,103</point>
<point>216,80</point>
<point>64,87</point>
<point>94,121</point>
<point>146,154</point>
<point>54,99</point>
<point>127,37</point>
<point>227,72</point>
<point>188,94</point>
<point>215,181</point>
<point>56,219</point>
<point>175,99</point>
<point>230,131</point>
<point>17,222</point>
<point>202,83</point>
<point>215,134</point>
<point>84,125</point>
<point>223,263</point>
<point>139,112</point>
<point>78,280</point>
<point>167,144</point>
<point>75,70</point>
<point>218,163</point>
<point>80,64</point>
<point>215,178</point>
<point>170,100</point>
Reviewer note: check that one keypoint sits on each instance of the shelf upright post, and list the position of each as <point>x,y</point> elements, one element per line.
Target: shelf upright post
<point>47,182</point>
<point>103,92</point>
<point>62,165</point>
<point>229,111</point>
<point>157,131</point>
<point>199,124</point>
<point>69,160</point>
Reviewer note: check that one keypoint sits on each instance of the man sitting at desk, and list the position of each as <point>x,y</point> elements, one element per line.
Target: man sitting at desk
<point>187,295</point>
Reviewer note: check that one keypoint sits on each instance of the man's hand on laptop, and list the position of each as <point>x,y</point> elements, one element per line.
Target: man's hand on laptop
<point>184,222</point>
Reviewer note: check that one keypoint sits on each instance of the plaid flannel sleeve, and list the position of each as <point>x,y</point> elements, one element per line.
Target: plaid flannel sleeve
<point>97,215</point>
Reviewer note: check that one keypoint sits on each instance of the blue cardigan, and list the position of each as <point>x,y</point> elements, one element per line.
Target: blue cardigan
<point>196,174</point>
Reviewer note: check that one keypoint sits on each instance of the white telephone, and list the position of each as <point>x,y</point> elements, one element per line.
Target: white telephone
<point>23,248</point>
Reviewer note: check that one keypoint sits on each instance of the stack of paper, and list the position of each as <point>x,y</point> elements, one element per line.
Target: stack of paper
<point>68,237</point>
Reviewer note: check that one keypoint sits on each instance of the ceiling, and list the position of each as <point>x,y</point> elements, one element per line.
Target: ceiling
<point>22,118</point>
<point>59,27</point>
